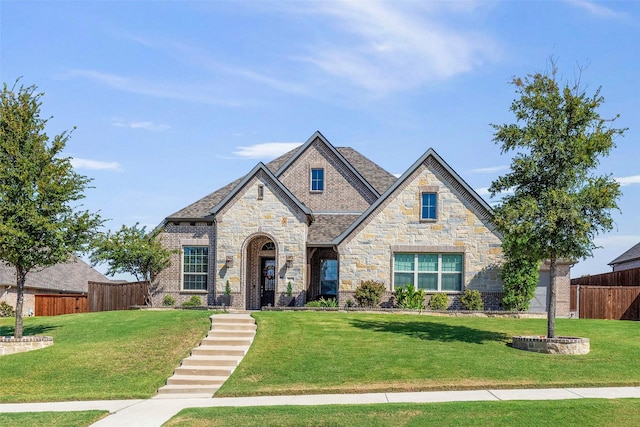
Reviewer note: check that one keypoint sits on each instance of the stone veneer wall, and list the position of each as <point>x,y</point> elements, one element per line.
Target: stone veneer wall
<point>10,345</point>
<point>342,191</point>
<point>563,287</point>
<point>246,218</point>
<point>396,227</point>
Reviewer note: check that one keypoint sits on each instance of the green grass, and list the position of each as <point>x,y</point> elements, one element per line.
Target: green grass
<point>582,413</point>
<point>51,419</point>
<point>337,352</point>
<point>108,355</point>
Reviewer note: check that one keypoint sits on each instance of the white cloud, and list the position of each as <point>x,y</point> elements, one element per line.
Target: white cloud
<point>94,164</point>
<point>628,180</point>
<point>201,93</point>
<point>483,191</point>
<point>389,46</point>
<point>597,9</point>
<point>492,169</point>
<point>266,150</point>
<point>140,125</point>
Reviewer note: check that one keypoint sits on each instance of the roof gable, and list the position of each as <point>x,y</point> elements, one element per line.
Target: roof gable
<point>431,159</point>
<point>317,137</point>
<point>260,170</point>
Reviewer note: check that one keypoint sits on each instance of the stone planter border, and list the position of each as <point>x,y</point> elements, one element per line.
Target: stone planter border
<point>557,345</point>
<point>11,345</point>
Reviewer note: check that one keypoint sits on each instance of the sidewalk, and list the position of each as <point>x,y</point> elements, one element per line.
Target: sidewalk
<point>156,411</point>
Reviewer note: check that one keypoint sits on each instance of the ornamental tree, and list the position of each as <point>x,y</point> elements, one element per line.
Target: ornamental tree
<point>558,203</point>
<point>132,250</point>
<point>39,224</point>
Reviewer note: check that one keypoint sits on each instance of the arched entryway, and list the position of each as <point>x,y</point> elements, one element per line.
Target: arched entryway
<point>261,272</point>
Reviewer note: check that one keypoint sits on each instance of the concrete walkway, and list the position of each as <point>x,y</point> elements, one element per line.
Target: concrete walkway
<point>155,412</point>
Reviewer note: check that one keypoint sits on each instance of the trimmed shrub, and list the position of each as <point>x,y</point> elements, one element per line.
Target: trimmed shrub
<point>348,303</point>
<point>369,293</point>
<point>439,301</point>
<point>471,300</point>
<point>6,310</point>
<point>194,301</point>
<point>409,298</point>
<point>168,301</point>
<point>321,302</point>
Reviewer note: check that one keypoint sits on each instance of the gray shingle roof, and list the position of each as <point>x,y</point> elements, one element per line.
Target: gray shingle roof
<point>327,227</point>
<point>377,177</point>
<point>71,276</point>
<point>630,255</point>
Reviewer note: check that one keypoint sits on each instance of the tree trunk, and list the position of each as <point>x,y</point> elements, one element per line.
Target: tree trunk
<point>21,276</point>
<point>551,299</point>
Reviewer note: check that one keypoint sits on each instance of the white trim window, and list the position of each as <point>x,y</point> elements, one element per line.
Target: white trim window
<point>317,180</point>
<point>195,268</point>
<point>428,271</point>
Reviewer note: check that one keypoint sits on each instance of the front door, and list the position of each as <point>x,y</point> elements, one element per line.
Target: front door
<point>268,282</point>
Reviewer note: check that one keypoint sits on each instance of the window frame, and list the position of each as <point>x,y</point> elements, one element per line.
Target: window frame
<point>440,272</point>
<point>423,206</point>
<point>184,264</point>
<point>315,180</point>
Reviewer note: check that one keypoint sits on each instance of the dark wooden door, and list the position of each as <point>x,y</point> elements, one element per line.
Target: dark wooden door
<point>267,282</point>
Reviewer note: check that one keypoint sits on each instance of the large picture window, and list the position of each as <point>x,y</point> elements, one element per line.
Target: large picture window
<point>431,272</point>
<point>317,179</point>
<point>195,268</point>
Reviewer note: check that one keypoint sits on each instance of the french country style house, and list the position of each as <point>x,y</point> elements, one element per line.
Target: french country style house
<point>321,219</point>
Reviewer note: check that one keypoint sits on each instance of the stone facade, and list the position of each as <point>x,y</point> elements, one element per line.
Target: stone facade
<point>269,224</point>
<point>396,226</point>
<point>10,345</point>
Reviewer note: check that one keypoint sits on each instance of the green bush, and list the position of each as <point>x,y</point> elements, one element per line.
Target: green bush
<point>439,301</point>
<point>369,293</point>
<point>409,298</point>
<point>331,302</point>
<point>348,303</point>
<point>6,310</point>
<point>194,301</point>
<point>168,301</point>
<point>519,282</point>
<point>227,288</point>
<point>471,300</point>
<point>289,291</point>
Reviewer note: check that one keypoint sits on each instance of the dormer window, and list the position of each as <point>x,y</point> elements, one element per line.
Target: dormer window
<point>317,180</point>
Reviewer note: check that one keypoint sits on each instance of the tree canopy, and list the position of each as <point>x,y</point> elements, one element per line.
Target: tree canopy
<point>555,201</point>
<point>40,225</point>
<point>132,250</point>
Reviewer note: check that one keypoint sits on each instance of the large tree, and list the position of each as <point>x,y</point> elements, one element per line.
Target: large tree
<point>558,203</point>
<point>40,225</point>
<point>132,250</point>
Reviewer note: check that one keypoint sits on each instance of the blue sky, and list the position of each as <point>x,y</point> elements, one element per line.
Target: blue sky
<point>173,100</point>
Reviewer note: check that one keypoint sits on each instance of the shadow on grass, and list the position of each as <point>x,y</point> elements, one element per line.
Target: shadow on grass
<point>7,331</point>
<point>426,330</point>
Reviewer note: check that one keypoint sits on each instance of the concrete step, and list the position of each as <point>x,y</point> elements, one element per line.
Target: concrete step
<point>231,333</point>
<point>170,391</point>
<point>234,326</point>
<point>219,350</point>
<point>212,360</point>
<point>205,370</point>
<point>230,341</point>
<point>196,380</point>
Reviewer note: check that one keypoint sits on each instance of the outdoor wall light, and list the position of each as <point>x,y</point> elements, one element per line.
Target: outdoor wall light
<point>289,261</point>
<point>229,262</point>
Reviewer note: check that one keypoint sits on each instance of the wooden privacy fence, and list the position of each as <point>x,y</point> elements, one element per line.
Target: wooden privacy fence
<point>614,295</point>
<point>116,296</point>
<point>56,304</point>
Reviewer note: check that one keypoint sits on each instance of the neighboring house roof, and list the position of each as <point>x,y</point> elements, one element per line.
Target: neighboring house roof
<point>375,178</point>
<point>71,276</point>
<point>449,174</point>
<point>630,255</point>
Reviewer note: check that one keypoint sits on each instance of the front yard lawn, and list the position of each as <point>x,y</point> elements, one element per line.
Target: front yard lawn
<point>108,355</point>
<point>338,352</point>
